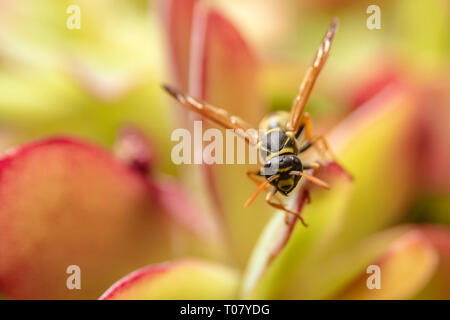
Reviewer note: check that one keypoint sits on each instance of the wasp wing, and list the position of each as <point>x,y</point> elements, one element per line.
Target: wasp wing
<point>310,78</point>
<point>215,114</point>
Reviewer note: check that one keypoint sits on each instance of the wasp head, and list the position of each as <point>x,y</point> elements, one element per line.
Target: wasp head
<point>283,165</point>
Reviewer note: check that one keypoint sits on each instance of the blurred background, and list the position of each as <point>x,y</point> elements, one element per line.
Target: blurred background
<point>90,82</point>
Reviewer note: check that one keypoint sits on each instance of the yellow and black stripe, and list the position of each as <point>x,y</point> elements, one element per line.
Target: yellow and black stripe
<point>276,142</point>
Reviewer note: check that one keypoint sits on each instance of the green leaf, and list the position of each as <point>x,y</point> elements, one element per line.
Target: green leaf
<point>64,202</point>
<point>366,144</point>
<point>186,279</point>
<point>405,267</point>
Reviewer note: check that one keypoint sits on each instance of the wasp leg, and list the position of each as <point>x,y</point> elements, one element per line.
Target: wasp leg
<point>323,147</point>
<point>307,195</point>
<point>307,166</point>
<point>305,125</point>
<point>311,141</point>
<point>252,176</point>
<point>313,165</point>
<point>271,195</point>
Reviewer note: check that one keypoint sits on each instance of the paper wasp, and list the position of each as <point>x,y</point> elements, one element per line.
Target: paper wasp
<point>278,145</point>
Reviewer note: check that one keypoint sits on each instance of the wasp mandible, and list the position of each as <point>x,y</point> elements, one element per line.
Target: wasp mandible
<point>278,145</point>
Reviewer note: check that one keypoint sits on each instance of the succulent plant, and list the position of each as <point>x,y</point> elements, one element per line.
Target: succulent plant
<point>75,190</point>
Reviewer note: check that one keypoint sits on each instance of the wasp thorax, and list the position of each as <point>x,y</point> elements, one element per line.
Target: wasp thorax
<point>275,142</point>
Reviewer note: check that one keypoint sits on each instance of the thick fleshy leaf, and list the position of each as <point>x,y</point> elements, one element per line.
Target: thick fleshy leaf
<point>177,19</point>
<point>439,286</point>
<point>405,268</point>
<point>376,144</point>
<point>265,272</point>
<point>65,202</point>
<point>86,82</point>
<point>183,279</point>
<point>134,148</point>
<point>433,142</point>
<point>378,80</point>
<point>366,144</point>
<point>224,71</point>
<point>427,47</point>
<point>178,204</point>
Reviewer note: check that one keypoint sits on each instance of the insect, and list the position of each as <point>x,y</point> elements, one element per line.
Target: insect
<point>278,145</point>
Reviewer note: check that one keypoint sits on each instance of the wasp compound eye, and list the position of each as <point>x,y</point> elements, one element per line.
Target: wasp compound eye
<point>270,168</point>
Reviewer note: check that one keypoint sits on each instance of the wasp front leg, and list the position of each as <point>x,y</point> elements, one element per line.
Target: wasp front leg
<point>253,174</point>
<point>316,167</point>
<point>279,205</point>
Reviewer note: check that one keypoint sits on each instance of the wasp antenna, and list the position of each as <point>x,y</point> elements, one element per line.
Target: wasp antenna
<point>311,178</point>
